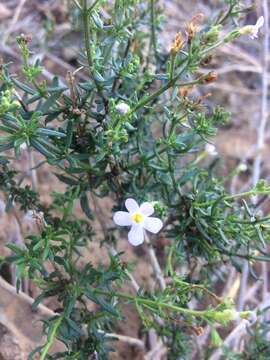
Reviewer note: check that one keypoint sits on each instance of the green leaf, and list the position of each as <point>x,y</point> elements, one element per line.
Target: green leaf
<point>49,103</point>
<point>7,146</point>
<point>52,116</point>
<point>15,248</point>
<point>23,87</point>
<point>85,205</point>
<point>69,133</point>
<point>49,132</point>
<point>87,85</point>
<point>66,180</point>
<point>40,148</point>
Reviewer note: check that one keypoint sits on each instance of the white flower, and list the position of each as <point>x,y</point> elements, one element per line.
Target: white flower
<point>23,146</point>
<point>138,217</point>
<point>242,167</point>
<point>253,30</point>
<point>211,149</point>
<point>256,28</point>
<point>122,108</point>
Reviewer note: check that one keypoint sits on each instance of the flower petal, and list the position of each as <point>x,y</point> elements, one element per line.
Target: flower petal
<point>132,205</point>
<point>147,209</point>
<point>253,35</point>
<point>260,22</point>
<point>135,235</point>
<point>122,218</point>
<point>152,224</point>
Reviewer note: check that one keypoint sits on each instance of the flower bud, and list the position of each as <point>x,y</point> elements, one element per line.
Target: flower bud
<point>24,39</point>
<point>208,78</point>
<point>212,35</point>
<point>226,315</point>
<point>184,90</point>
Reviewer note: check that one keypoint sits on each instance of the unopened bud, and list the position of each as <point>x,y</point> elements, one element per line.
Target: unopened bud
<point>208,78</point>
<point>184,90</point>
<point>226,315</point>
<point>24,39</point>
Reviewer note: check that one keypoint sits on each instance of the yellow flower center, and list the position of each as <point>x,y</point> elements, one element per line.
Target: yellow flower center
<point>137,217</point>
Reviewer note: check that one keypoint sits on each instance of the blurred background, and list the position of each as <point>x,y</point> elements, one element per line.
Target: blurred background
<point>241,88</point>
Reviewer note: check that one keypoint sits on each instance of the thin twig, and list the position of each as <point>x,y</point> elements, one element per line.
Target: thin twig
<point>264,117</point>
<point>155,264</point>
<point>126,339</point>
<point>240,330</point>
<point>13,21</point>
<point>134,283</point>
<point>258,158</point>
<point>32,170</point>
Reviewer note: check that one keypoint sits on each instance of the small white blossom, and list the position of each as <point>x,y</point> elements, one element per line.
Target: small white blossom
<point>122,108</point>
<point>138,217</point>
<point>253,30</point>
<point>23,146</point>
<point>242,167</point>
<point>211,150</point>
<point>256,28</point>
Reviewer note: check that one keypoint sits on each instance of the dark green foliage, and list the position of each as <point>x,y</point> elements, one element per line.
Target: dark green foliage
<point>155,151</point>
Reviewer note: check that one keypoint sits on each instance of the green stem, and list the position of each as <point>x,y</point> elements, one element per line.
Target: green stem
<point>227,197</point>
<point>76,3</point>
<point>151,97</point>
<point>256,221</point>
<point>93,6</point>
<point>85,15</point>
<point>214,46</point>
<point>152,303</point>
<point>173,81</point>
<point>86,29</point>
<point>173,57</point>
<point>234,196</point>
<point>51,338</point>
<point>226,15</point>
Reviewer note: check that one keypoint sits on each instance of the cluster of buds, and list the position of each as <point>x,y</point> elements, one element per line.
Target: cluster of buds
<point>177,43</point>
<point>23,41</point>
<point>7,103</point>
